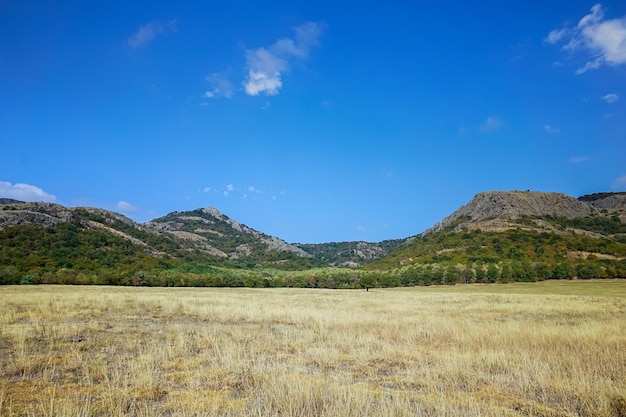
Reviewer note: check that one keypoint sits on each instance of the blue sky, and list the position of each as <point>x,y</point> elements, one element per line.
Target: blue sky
<point>310,121</point>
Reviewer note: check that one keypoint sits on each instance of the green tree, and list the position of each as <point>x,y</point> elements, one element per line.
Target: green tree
<point>451,275</point>
<point>367,281</point>
<point>506,273</point>
<point>481,276</point>
<point>438,275</point>
<point>492,273</point>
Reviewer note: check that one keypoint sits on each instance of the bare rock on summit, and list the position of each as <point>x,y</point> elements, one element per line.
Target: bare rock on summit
<point>45,214</point>
<point>610,201</point>
<point>208,229</point>
<point>514,204</point>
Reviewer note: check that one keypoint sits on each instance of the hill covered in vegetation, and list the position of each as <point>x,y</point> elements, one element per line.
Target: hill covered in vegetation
<point>44,242</point>
<point>528,236</point>
<point>496,237</point>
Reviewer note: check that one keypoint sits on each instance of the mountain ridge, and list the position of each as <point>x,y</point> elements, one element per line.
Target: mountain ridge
<point>208,235</point>
<point>510,205</point>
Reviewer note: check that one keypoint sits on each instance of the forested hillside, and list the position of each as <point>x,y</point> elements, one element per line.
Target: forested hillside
<point>496,237</point>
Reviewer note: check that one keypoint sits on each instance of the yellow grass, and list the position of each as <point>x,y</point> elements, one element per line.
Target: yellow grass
<point>545,349</point>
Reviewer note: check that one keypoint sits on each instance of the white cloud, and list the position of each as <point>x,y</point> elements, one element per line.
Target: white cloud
<point>603,40</point>
<point>229,189</point>
<point>610,98</point>
<point>220,85</point>
<point>362,229</point>
<point>24,192</point>
<point>264,72</point>
<point>551,129</point>
<point>619,184</point>
<point>146,33</point>
<point>266,65</point>
<point>491,124</point>
<point>125,207</point>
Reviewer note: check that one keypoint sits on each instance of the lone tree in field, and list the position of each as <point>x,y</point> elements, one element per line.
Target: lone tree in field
<point>367,281</point>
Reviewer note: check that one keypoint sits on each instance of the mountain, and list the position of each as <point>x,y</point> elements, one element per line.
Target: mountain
<point>350,254</point>
<point>503,234</point>
<point>40,238</point>
<point>616,202</point>
<point>533,229</point>
<point>211,232</point>
<point>498,209</point>
<point>203,235</point>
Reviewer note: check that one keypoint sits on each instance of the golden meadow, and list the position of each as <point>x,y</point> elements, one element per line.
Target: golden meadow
<point>554,348</point>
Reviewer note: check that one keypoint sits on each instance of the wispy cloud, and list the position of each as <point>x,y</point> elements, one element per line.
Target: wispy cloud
<point>24,192</point>
<point>492,123</point>
<point>619,184</point>
<point>551,129</point>
<point>242,192</point>
<point>146,33</point>
<point>126,207</point>
<point>253,189</point>
<point>556,35</point>
<point>578,159</point>
<point>602,39</point>
<point>610,98</point>
<point>220,85</point>
<point>265,65</point>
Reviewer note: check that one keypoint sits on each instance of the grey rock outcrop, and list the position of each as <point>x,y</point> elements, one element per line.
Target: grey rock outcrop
<point>609,201</point>
<point>273,243</point>
<point>45,214</point>
<point>514,204</point>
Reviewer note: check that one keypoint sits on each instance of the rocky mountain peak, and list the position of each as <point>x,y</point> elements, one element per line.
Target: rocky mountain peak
<point>514,204</point>
<point>213,212</point>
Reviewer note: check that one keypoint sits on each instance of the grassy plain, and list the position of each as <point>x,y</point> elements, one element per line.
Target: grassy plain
<point>542,349</point>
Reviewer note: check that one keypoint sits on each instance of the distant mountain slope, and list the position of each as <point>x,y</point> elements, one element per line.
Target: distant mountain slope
<point>9,201</point>
<point>610,201</point>
<point>350,254</point>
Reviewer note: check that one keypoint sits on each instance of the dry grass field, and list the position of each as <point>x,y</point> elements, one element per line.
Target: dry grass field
<point>543,349</point>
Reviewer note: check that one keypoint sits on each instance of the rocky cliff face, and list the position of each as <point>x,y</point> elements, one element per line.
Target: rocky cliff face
<point>502,206</point>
